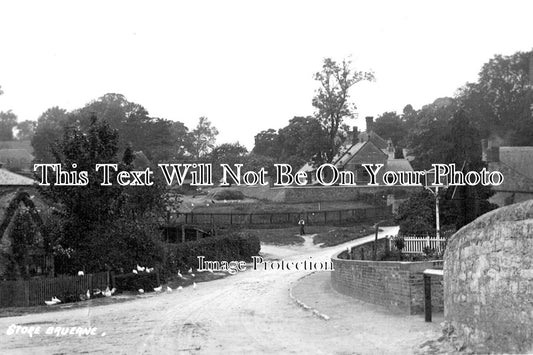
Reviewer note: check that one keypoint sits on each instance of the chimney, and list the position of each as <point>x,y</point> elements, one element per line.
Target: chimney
<point>484,149</point>
<point>355,135</point>
<point>369,123</point>
<point>490,151</point>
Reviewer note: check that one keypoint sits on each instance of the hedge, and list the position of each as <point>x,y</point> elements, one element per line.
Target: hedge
<point>181,257</point>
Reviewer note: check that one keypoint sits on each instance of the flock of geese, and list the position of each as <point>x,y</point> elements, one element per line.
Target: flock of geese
<point>108,293</point>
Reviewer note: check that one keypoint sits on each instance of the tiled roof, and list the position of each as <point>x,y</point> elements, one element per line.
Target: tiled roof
<point>398,165</point>
<point>519,159</point>
<point>8,178</point>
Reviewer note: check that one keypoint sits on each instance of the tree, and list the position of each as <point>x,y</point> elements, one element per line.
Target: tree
<point>48,133</point>
<point>227,153</point>
<point>97,224</point>
<point>390,125</point>
<point>202,138</point>
<point>8,121</point>
<point>502,98</point>
<point>332,97</point>
<point>267,143</point>
<point>26,130</point>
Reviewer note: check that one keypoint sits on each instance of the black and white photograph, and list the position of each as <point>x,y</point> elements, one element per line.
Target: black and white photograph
<point>266,177</point>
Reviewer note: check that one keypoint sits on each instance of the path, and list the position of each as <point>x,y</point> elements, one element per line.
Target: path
<point>248,312</point>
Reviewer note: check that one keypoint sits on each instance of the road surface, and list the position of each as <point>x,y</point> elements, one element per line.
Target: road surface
<point>250,312</point>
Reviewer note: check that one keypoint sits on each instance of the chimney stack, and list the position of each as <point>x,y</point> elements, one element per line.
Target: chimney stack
<point>369,124</point>
<point>355,135</point>
<point>484,149</point>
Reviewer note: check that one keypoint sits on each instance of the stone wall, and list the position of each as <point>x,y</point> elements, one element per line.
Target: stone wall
<point>396,285</point>
<point>488,277</point>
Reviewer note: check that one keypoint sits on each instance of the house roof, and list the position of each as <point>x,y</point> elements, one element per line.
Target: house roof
<point>519,159</point>
<point>397,165</point>
<point>19,154</point>
<point>8,178</point>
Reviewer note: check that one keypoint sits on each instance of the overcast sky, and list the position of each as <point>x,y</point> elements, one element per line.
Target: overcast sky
<point>246,65</point>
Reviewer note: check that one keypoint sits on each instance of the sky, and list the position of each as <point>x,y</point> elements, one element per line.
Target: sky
<point>247,65</point>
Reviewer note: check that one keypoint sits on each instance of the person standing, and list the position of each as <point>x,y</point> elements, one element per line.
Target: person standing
<point>301,223</point>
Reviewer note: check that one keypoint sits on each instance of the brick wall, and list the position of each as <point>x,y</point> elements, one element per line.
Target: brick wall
<point>398,286</point>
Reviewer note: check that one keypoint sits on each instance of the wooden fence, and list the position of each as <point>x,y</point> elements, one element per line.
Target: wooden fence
<point>287,218</point>
<point>415,244</point>
<point>35,291</point>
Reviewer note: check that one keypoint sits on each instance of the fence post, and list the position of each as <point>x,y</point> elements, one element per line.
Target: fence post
<point>427,242</point>
<point>427,298</point>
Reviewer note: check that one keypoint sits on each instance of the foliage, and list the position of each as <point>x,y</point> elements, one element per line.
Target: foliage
<point>101,227</point>
<point>48,133</point>
<point>227,153</point>
<point>417,214</point>
<point>24,232</point>
<point>202,138</point>
<point>236,246</point>
<point>26,130</point>
<point>228,194</point>
<point>399,242</point>
<point>8,121</point>
<point>332,97</point>
<point>391,125</point>
<point>303,140</point>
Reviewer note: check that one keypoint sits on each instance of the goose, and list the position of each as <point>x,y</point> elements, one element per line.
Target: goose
<point>81,273</point>
<point>141,291</point>
<point>180,288</point>
<point>135,271</point>
<point>179,274</point>
<point>169,289</point>
<point>194,285</point>
<point>193,275</point>
<point>113,290</point>
<point>88,294</point>
<point>107,293</point>
<point>158,289</point>
<point>49,303</point>
<point>190,271</point>
<point>56,300</point>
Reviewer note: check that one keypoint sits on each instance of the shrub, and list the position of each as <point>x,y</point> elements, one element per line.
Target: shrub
<point>133,282</point>
<point>228,194</point>
<point>238,246</point>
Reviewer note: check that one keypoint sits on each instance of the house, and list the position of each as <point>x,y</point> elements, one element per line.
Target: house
<point>22,247</point>
<point>516,165</point>
<point>364,148</point>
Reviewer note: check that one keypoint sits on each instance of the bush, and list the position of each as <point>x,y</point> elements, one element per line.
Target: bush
<point>239,246</point>
<point>228,194</point>
<point>133,282</point>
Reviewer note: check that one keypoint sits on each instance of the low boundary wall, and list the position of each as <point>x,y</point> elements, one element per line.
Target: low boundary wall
<point>396,285</point>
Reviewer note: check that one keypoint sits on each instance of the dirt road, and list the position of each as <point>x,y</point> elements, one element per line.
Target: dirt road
<point>249,312</point>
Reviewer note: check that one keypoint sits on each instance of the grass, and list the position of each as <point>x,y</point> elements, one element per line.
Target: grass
<point>327,235</point>
<point>337,235</point>
<point>279,236</point>
<point>272,207</point>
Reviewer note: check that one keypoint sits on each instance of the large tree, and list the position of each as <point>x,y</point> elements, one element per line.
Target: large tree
<point>100,227</point>
<point>502,98</point>
<point>26,130</point>
<point>47,134</point>
<point>202,138</point>
<point>332,98</point>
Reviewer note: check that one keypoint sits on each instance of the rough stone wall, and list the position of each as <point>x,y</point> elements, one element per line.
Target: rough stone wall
<point>488,273</point>
<point>395,285</point>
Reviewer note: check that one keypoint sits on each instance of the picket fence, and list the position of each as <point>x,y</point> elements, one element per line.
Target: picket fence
<point>415,244</point>
<point>34,292</point>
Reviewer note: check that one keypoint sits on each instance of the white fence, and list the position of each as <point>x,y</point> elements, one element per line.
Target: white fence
<point>414,244</point>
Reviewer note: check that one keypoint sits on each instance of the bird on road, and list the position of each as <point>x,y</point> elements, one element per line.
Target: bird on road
<point>88,294</point>
<point>180,288</point>
<point>81,273</point>
<point>158,289</point>
<point>141,291</point>
<point>135,271</point>
<point>194,285</point>
<point>190,271</point>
